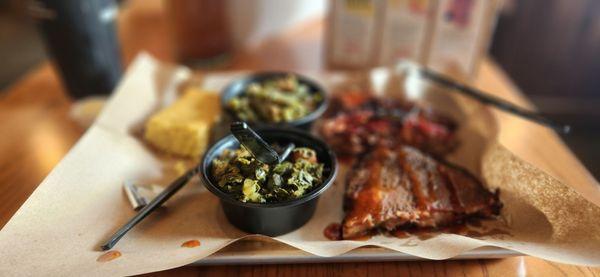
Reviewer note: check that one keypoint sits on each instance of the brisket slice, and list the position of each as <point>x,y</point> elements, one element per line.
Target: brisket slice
<point>390,188</point>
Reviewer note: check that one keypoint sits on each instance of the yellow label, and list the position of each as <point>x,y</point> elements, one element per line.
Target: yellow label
<point>360,7</point>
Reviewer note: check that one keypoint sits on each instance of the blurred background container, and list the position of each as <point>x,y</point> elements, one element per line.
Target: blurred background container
<point>201,32</point>
<point>447,35</point>
<point>548,47</point>
<point>81,38</point>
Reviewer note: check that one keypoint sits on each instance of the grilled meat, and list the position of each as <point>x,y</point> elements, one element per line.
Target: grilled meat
<point>389,188</point>
<point>358,122</point>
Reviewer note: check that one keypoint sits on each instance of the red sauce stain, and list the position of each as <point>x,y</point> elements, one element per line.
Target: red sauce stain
<point>333,231</point>
<point>367,202</point>
<point>191,243</point>
<point>109,256</point>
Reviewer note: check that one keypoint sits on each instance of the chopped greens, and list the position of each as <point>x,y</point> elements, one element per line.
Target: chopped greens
<point>277,100</point>
<point>249,180</point>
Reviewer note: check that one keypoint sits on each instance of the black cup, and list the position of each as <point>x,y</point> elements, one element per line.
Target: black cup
<point>239,87</point>
<point>81,37</point>
<point>272,219</point>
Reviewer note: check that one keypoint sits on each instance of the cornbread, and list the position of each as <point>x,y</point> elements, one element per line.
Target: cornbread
<point>184,127</point>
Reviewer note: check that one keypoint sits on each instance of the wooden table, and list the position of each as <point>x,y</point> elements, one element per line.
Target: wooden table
<point>36,132</point>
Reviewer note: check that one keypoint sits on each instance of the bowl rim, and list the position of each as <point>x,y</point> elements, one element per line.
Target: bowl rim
<point>310,117</point>
<point>316,192</point>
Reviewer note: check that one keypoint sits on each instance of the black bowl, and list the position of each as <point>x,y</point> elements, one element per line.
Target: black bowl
<point>239,87</point>
<point>272,219</point>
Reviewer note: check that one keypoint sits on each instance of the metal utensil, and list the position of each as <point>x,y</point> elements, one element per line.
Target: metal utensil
<point>153,205</point>
<point>135,199</point>
<point>260,149</point>
<point>247,137</point>
<point>485,98</point>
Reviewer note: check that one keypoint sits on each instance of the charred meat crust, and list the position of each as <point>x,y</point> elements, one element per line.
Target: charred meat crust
<point>390,188</point>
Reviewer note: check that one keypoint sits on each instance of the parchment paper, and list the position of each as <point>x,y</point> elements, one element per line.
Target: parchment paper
<point>81,202</point>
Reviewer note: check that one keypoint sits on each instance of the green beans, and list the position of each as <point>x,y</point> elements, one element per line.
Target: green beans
<point>277,100</point>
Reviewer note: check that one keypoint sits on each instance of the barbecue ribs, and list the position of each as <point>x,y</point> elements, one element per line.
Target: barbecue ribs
<point>389,188</point>
<point>359,121</point>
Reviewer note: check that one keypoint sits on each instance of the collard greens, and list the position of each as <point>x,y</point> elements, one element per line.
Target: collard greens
<point>238,173</point>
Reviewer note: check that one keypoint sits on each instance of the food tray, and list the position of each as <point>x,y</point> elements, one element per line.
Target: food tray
<point>264,252</point>
<point>63,213</point>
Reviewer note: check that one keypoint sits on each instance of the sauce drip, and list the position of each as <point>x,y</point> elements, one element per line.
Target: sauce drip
<point>109,256</point>
<point>333,231</point>
<point>191,243</point>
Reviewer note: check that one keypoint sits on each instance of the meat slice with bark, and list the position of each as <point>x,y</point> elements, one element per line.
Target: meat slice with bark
<point>389,188</point>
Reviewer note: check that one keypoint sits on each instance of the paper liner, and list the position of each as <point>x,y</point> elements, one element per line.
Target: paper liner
<point>81,203</point>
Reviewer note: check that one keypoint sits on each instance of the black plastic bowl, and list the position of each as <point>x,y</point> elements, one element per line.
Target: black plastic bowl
<point>272,219</point>
<point>239,87</point>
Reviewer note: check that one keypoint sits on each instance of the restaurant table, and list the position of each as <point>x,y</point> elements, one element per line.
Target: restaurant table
<point>36,131</point>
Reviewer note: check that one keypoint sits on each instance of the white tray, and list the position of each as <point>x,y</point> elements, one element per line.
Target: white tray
<point>264,252</point>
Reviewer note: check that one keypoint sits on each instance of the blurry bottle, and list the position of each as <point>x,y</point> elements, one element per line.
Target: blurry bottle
<point>461,36</point>
<point>82,40</point>
<point>404,30</point>
<point>201,32</point>
<point>448,35</point>
<point>352,30</point>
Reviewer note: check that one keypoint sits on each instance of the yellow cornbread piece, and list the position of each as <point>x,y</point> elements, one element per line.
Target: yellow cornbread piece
<point>184,127</point>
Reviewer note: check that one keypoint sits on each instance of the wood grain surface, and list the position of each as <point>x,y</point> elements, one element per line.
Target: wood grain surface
<point>36,132</point>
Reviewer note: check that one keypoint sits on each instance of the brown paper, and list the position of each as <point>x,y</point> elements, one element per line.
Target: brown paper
<point>81,203</point>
